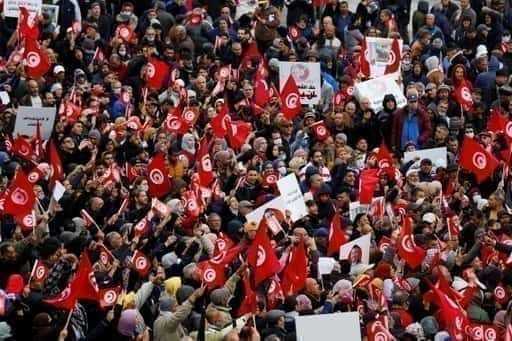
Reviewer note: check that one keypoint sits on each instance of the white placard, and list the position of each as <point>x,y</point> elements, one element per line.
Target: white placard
<point>363,243</point>
<point>376,89</point>
<point>379,54</point>
<point>12,7</point>
<point>355,208</point>
<point>52,11</point>
<point>436,155</point>
<point>328,327</point>
<point>27,118</point>
<point>292,196</point>
<point>257,214</point>
<point>325,265</point>
<point>4,97</point>
<point>58,190</point>
<point>307,77</point>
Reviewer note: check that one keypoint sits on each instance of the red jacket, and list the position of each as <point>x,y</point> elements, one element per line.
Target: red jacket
<point>425,128</point>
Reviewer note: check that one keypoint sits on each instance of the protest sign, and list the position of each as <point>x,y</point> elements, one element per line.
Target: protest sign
<point>12,7</point>
<point>347,250</point>
<point>52,11</point>
<point>325,265</point>
<point>58,190</point>
<point>27,118</point>
<point>327,327</point>
<point>307,78</point>
<point>376,89</point>
<point>380,54</point>
<point>436,155</point>
<point>257,214</point>
<point>355,208</point>
<point>292,196</point>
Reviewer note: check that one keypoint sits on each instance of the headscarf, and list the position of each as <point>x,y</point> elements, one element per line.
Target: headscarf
<point>172,285</point>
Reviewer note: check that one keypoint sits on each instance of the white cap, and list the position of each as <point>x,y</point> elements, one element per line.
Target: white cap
<point>58,68</point>
<point>481,51</point>
<point>429,218</point>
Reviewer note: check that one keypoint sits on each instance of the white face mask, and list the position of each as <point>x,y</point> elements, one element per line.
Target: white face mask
<point>470,135</point>
<point>282,171</point>
<point>122,53</point>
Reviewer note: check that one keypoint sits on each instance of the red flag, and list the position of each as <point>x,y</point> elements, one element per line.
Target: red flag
<point>57,173</point>
<point>157,72</point>
<point>37,61</point>
<point>483,332</point>
<point>249,303</point>
<point>190,116</point>
<point>497,121</point>
<point>204,164</point>
<point>88,219</point>
<point>261,256</point>
<point>223,243</point>
<point>462,94</point>
<point>124,32</point>
<point>22,148</point>
<point>85,281</point>
<point>270,178</point>
<point>106,257</point>
<point>65,300</point>
<point>141,228</point>
<point>39,273</point>
<point>275,294</point>
<point>452,315</point>
<point>176,123</point>
<point>158,179</point>
<point>296,271</point>
<point>453,225</point>
<point>377,331</point>
<point>221,122</point>
<point>290,98</point>
<point>500,294</point>
<point>336,235</point>
<point>38,142</point>
<point>384,158</point>
<point>160,207</point>
<point>109,296</point>
<point>261,93</point>
<point>320,130</point>
<point>368,180</point>
<point>191,204</point>
<point>27,221</point>
<point>474,158</point>
<point>212,275</point>
<point>395,57</point>
<point>407,249</point>
<point>364,64</point>
<point>70,111</point>
<point>21,196</point>
<point>141,263</point>
<point>251,52</point>
<point>384,243</point>
<point>238,133</point>
<point>28,25</point>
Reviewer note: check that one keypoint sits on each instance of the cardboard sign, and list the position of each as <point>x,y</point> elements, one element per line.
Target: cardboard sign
<point>257,214</point>
<point>307,77</point>
<point>438,156</point>
<point>364,245</point>
<point>292,196</point>
<point>376,89</point>
<point>325,265</point>
<point>328,327</point>
<point>355,208</point>
<point>52,11</point>
<point>58,190</point>
<point>27,118</point>
<point>12,7</point>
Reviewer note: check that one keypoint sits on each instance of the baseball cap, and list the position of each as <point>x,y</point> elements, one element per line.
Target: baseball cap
<point>57,69</point>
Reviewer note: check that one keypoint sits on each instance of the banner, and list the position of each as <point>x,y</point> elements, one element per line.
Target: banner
<point>12,7</point>
<point>307,78</point>
<point>348,250</point>
<point>257,214</point>
<point>27,118</point>
<point>380,54</point>
<point>354,208</point>
<point>436,155</point>
<point>292,196</point>
<point>376,89</point>
<point>327,327</point>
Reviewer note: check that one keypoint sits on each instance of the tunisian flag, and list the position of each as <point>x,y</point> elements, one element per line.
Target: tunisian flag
<point>204,165</point>
<point>336,235</point>
<point>249,303</point>
<point>157,72</point>
<point>159,184</point>
<point>85,282</point>
<point>364,64</point>
<point>296,271</point>
<point>474,158</point>
<point>394,58</point>
<point>22,148</point>
<point>213,273</point>
<point>261,256</point>
<point>261,93</point>
<point>290,98</point>
<point>37,61</point>
<point>238,131</point>
<point>407,248</point>
<point>20,199</point>
<point>320,130</point>
<point>141,263</point>
<point>367,182</point>
<point>462,94</point>
<point>28,26</point>
<point>221,122</point>
<point>57,173</point>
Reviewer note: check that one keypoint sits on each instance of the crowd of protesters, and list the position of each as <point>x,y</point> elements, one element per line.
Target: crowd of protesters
<point>128,221</point>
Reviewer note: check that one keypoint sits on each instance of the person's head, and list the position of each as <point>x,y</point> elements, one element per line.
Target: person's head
<point>252,176</point>
<point>8,252</point>
<point>430,20</point>
<point>214,222</point>
<point>412,99</point>
<point>312,287</point>
<point>355,255</point>
<point>33,88</point>
<point>114,239</point>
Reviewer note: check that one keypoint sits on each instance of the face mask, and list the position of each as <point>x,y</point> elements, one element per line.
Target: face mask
<point>505,39</point>
<point>117,91</point>
<point>406,65</point>
<point>278,142</point>
<point>122,53</point>
<point>282,171</point>
<point>470,135</point>
<point>150,39</point>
